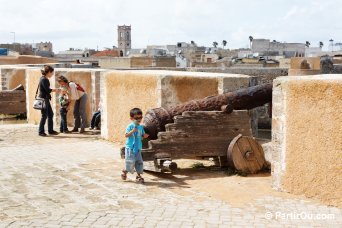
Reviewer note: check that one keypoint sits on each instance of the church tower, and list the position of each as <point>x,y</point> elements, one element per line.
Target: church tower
<point>124,39</point>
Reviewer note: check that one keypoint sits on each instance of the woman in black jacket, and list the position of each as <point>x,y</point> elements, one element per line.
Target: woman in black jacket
<point>45,92</point>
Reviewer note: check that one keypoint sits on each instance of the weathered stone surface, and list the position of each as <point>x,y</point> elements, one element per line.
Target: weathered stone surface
<point>305,66</point>
<point>306,136</point>
<point>176,90</point>
<point>137,62</point>
<point>11,77</point>
<point>123,90</point>
<point>314,63</point>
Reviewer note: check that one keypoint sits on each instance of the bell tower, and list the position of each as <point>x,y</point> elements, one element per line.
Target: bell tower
<point>124,39</point>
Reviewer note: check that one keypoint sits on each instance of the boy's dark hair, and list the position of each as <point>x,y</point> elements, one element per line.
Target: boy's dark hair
<point>47,69</point>
<point>135,111</point>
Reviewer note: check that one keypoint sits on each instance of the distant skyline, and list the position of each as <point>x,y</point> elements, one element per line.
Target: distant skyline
<point>88,24</point>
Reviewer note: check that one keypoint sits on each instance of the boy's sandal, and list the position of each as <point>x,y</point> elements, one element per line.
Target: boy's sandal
<point>124,175</point>
<point>140,179</point>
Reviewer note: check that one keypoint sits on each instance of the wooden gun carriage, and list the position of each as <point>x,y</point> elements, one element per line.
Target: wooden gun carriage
<point>216,127</point>
<point>13,101</point>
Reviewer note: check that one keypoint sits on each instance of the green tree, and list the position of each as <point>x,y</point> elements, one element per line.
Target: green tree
<point>224,43</point>
<point>320,44</point>
<point>250,41</point>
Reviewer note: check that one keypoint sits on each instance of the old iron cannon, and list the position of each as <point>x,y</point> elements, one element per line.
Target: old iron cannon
<point>217,127</point>
<point>242,99</point>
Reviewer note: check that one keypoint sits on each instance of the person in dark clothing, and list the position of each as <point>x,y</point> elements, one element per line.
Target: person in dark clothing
<point>45,93</point>
<point>96,120</point>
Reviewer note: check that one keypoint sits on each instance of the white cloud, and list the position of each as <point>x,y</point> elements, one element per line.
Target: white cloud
<point>88,23</point>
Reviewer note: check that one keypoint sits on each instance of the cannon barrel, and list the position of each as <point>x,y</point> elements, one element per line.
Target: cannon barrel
<point>247,98</point>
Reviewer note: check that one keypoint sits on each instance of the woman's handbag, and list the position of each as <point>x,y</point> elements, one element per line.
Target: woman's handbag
<point>39,103</point>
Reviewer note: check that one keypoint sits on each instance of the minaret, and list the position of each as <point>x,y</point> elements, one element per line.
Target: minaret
<point>124,39</point>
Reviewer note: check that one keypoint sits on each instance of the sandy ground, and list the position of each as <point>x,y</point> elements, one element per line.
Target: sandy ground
<point>233,189</point>
<point>74,180</point>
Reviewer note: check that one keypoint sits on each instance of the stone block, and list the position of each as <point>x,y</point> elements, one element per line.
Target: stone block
<point>306,136</point>
<point>314,62</point>
<point>122,91</point>
<point>11,77</point>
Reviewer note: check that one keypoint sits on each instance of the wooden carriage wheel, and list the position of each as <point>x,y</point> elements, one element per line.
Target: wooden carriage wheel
<point>246,154</point>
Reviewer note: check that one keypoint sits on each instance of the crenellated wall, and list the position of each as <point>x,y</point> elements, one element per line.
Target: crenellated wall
<point>124,90</point>
<point>137,62</point>
<point>87,78</point>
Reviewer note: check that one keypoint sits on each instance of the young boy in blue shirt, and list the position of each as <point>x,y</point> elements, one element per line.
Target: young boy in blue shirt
<point>134,134</point>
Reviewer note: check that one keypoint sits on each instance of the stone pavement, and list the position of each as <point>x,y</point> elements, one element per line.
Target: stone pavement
<point>74,181</point>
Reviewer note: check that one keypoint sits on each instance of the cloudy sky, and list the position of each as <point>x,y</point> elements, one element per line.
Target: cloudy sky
<point>92,23</point>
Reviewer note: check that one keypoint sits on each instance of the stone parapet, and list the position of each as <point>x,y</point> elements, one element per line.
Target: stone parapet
<point>306,136</point>
<point>124,90</point>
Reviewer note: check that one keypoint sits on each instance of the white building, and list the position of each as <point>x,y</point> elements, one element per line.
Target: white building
<point>74,54</point>
<point>181,61</point>
<point>313,51</point>
<point>265,47</point>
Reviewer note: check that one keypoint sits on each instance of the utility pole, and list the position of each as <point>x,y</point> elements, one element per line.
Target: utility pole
<point>13,40</point>
<point>13,37</point>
